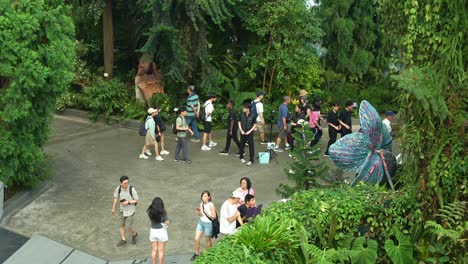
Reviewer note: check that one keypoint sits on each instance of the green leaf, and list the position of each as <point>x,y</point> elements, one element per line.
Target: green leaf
<point>401,253</point>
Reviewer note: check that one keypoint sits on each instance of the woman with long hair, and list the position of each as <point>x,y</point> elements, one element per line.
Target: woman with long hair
<point>158,232</point>
<point>245,188</point>
<point>207,212</point>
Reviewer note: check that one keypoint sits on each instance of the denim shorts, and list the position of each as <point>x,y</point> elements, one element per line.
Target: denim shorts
<point>206,228</point>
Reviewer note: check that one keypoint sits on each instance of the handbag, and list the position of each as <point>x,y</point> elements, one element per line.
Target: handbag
<point>214,223</point>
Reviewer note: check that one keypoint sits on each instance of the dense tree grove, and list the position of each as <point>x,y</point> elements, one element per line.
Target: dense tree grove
<point>36,66</point>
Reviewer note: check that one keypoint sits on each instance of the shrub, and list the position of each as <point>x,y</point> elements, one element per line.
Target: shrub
<point>36,65</point>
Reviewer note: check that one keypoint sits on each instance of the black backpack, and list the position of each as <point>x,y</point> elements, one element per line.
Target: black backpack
<point>253,108</point>
<point>174,126</point>
<point>130,189</point>
<point>142,130</point>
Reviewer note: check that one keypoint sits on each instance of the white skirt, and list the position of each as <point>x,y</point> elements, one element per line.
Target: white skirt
<point>158,235</point>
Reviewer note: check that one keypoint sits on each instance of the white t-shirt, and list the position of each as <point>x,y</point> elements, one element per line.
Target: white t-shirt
<point>227,210</point>
<point>207,207</point>
<point>386,123</point>
<point>209,108</point>
<point>259,106</point>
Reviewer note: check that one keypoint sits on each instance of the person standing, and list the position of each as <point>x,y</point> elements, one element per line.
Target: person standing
<point>314,123</point>
<point>257,103</point>
<point>158,231</point>
<point>207,212</point>
<point>247,125</point>
<point>283,120</point>
<point>127,196</point>
<point>333,125</point>
<point>193,112</point>
<point>345,119</point>
<point>229,214</point>
<point>150,138</point>
<point>209,109</point>
<point>160,129</point>
<point>389,116</point>
<point>182,128</point>
<point>298,115</point>
<point>232,130</point>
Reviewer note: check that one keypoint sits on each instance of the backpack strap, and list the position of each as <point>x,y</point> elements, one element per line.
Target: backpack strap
<point>131,188</point>
<point>120,189</point>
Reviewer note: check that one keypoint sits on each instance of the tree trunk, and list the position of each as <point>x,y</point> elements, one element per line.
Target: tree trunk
<point>108,39</point>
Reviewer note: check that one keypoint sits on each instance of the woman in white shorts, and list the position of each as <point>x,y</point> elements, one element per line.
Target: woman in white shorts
<point>158,232</point>
<point>205,211</point>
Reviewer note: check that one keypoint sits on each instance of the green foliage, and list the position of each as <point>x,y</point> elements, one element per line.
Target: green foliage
<point>401,253</point>
<point>106,97</point>
<point>308,170</point>
<point>367,249</point>
<point>36,66</point>
<point>135,109</point>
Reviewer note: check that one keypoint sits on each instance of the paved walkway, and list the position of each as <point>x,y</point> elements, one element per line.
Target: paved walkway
<point>87,161</point>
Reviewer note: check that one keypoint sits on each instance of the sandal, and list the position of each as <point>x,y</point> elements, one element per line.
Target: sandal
<point>134,238</point>
<point>121,243</point>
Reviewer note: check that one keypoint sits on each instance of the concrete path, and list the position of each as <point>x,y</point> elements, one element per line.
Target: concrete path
<point>87,161</point>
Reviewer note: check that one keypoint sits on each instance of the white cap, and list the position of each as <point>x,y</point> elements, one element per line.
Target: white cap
<point>151,110</point>
<point>236,194</point>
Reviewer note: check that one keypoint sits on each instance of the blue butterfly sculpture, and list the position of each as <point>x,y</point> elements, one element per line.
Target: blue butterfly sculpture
<point>367,152</point>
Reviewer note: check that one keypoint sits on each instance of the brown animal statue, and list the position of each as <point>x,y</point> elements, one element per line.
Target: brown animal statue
<point>148,81</point>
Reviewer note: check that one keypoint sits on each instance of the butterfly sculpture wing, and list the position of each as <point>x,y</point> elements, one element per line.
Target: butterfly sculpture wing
<point>371,124</point>
<point>351,151</point>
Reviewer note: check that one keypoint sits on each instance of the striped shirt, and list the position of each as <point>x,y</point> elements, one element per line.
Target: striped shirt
<point>192,99</point>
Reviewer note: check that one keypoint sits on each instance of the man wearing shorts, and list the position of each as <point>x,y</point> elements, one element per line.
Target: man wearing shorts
<point>283,120</point>
<point>209,109</point>
<point>127,196</point>
<point>229,214</point>
<point>257,103</point>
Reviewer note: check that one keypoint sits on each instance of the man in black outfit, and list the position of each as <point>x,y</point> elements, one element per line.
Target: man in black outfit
<point>249,202</point>
<point>345,119</point>
<point>247,125</point>
<point>333,125</point>
<point>232,129</point>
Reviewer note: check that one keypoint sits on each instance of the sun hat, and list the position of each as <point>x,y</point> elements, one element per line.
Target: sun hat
<point>303,93</point>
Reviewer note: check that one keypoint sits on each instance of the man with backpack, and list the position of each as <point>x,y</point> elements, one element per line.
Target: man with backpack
<point>208,110</point>
<point>181,128</point>
<point>150,137</point>
<point>257,110</point>
<point>127,196</point>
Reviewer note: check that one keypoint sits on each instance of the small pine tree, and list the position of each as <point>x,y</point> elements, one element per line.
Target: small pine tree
<point>308,169</point>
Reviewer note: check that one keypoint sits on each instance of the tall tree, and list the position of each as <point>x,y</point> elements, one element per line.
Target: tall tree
<point>108,38</point>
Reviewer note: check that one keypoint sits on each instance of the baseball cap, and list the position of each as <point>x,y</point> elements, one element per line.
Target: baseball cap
<point>151,110</point>
<point>389,113</point>
<point>260,93</point>
<point>236,194</point>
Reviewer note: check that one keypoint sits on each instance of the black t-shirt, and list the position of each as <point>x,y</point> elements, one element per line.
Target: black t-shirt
<point>247,122</point>
<point>304,108</point>
<point>158,122</point>
<point>243,212</point>
<point>333,119</point>
<point>345,117</point>
<point>232,117</point>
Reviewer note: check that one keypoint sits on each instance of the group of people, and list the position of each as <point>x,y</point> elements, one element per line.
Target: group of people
<point>233,214</point>
<point>251,119</point>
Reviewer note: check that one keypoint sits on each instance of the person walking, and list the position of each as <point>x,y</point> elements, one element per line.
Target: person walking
<point>247,125</point>
<point>295,125</point>
<point>160,129</point>
<point>158,231</point>
<point>345,119</point>
<point>209,109</point>
<point>182,128</point>
<point>232,129</point>
<point>283,120</point>
<point>193,112</point>
<point>229,214</point>
<point>244,189</point>
<point>333,125</point>
<point>127,197</point>
<point>314,123</point>
<point>257,110</point>
<point>207,212</point>
<point>150,138</point>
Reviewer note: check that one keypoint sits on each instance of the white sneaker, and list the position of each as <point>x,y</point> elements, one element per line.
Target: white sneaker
<point>159,158</point>
<point>248,163</point>
<point>243,160</point>
<point>147,152</point>
<point>142,156</point>
<point>278,150</point>
<point>164,152</point>
<point>212,144</point>
<point>205,147</point>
